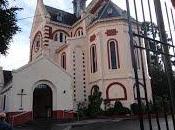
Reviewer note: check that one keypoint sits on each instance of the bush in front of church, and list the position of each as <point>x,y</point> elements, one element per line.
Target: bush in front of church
<point>95,102</point>
<point>117,109</point>
<point>91,109</point>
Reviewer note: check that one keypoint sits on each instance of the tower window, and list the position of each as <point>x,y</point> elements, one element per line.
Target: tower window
<point>113,55</point>
<point>61,37</point>
<point>93,58</point>
<point>63,60</point>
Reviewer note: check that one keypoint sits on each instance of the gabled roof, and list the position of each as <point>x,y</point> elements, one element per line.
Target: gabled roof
<point>110,10</point>
<point>7,77</point>
<point>67,18</point>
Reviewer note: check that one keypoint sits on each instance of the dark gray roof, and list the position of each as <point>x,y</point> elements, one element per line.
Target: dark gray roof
<point>66,18</point>
<point>110,10</point>
<point>7,77</point>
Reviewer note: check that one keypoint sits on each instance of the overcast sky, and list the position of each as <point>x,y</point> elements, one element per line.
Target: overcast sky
<point>18,54</point>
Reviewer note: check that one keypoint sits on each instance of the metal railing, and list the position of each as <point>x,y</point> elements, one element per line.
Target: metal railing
<point>159,43</point>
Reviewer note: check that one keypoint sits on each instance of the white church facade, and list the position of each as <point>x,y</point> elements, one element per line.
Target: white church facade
<point>70,56</point>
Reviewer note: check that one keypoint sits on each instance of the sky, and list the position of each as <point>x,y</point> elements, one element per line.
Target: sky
<point>18,54</point>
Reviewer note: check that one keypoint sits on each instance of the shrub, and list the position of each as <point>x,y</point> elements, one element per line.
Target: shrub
<point>136,110</point>
<point>82,110</point>
<point>95,101</point>
<point>119,109</point>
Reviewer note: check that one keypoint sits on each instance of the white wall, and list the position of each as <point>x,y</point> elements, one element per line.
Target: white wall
<point>42,71</point>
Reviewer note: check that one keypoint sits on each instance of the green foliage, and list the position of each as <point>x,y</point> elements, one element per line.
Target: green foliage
<point>159,80</point>
<point>119,109</point>
<point>82,110</point>
<point>135,109</point>
<point>8,25</point>
<point>95,101</point>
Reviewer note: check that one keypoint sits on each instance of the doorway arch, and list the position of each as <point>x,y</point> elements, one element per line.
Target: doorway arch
<point>42,102</point>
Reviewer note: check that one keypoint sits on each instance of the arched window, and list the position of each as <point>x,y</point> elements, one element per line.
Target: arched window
<point>116,91</point>
<point>78,32</point>
<point>113,54</point>
<point>94,88</point>
<point>60,36</point>
<point>63,60</point>
<point>93,58</point>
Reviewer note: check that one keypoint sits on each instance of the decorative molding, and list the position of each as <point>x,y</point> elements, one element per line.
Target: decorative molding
<point>111,32</point>
<point>47,32</point>
<point>92,38</point>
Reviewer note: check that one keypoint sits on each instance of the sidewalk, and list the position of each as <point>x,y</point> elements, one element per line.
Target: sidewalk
<point>91,121</point>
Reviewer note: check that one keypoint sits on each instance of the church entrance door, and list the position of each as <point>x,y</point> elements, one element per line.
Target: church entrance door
<point>42,102</point>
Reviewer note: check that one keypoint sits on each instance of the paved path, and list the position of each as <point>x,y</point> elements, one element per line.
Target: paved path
<point>103,124</point>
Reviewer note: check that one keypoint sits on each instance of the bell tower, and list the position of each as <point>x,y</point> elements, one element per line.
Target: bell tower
<point>79,6</point>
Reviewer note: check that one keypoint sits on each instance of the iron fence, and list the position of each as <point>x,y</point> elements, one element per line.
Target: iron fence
<point>156,30</point>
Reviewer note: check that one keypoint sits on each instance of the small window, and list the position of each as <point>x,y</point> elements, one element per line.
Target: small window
<point>93,58</point>
<point>63,60</point>
<point>4,102</point>
<point>61,37</point>
<point>59,17</point>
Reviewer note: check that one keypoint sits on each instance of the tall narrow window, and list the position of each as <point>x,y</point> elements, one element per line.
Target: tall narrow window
<point>137,57</point>
<point>4,102</point>
<point>93,58</point>
<point>113,55</point>
<point>61,37</point>
<point>63,60</point>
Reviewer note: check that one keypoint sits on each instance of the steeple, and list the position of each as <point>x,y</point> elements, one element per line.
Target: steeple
<point>79,6</point>
<point>40,1</point>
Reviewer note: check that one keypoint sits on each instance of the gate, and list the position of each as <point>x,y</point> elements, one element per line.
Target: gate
<point>153,25</point>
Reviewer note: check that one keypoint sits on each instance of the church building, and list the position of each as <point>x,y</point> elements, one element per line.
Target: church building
<point>71,54</point>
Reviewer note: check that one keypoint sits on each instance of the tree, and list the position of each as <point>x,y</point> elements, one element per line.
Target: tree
<point>8,25</point>
<point>156,66</point>
<point>95,101</point>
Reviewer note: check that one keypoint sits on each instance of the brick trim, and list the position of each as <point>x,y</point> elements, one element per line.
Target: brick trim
<point>114,99</point>
<point>92,38</point>
<point>61,114</point>
<point>111,32</point>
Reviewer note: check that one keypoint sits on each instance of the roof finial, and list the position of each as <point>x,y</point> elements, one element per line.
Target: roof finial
<point>79,6</point>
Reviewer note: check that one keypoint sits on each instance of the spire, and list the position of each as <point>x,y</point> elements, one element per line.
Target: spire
<point>40,2</point>
<point>79,6</point>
